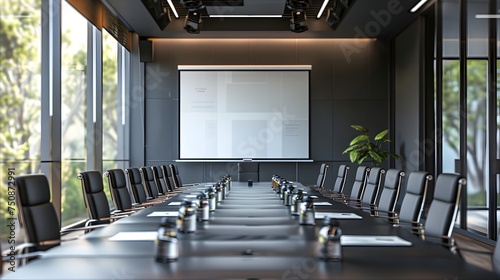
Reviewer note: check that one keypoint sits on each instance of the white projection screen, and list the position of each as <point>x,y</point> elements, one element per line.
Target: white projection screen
<point>244,112</point>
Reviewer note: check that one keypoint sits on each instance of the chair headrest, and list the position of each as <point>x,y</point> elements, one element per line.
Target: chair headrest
<point>374,176</point>
<point>361,173</point>
<point>33,189</point>
<point>446,187</point>
<point>117,178</point>
<point>342,170</point>
<point>134,175</point>
<point>417,182</point>
<point>92,181</point>
<point>391,178</point>
<point>147,172</point>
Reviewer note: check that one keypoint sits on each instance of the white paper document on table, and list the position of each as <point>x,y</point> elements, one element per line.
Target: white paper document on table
<point>333,215</point>
<point>373,240</point>
<point>134,236</point>
<point>175,203</point>
<point>164,214</point>
<point>322,203</point>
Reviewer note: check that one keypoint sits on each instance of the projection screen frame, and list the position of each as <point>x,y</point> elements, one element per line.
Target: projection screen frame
<point>307,68</point>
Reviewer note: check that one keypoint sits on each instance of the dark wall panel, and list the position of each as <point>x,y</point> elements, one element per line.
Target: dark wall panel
<point>321,121</point>
<point>344,90</point>
<point>407,96</point>
<point>158,127</point>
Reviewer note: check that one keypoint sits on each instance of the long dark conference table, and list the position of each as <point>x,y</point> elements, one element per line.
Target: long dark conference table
<point>251,235</point>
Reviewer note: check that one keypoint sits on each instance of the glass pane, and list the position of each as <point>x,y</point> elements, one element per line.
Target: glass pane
<point>20,110</point>
<point>477,29</point>
<point>73,91</point>
<point>110,96</point>
<point>477,155</point>
<point>109,105</point>
<point>450,28</point>
<point>451,114</point>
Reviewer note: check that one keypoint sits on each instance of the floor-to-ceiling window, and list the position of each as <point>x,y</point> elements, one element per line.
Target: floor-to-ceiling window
<point>35,90</point>
<point>73,107</point>
<point>114,115</point>
<point>20,116</point>
<point>466,133</point>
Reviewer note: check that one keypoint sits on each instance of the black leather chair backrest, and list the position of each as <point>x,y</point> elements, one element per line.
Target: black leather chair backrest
<point>159,179</point>
<point>36,211</point>
<point>136,185</point>
<point>176,178</point>
<point>149,181</point>
<point>372,187</point>
<point>338,185</point>
<point>94,195</point>
<point>390,192</point>
<point>443,209</point>
<point>167,175</point>
<point>320,182</point>
<point>414,198</point>
<point>118,187</point>
<point>358,186</point>
<point>248,171</point>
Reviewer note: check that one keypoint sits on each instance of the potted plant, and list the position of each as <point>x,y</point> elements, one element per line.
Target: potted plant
<point>362,147</point>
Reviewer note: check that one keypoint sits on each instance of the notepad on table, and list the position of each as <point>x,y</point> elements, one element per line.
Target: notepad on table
<point>373,240</point>
<point>134,236</point>
<point>322,203</point>
<point>174,203</point>
<point>333,215</point>
<point>164,214</point>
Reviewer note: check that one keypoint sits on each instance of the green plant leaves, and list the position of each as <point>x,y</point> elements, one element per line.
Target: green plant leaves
<point>381,135</point>
<point>359,128</point>
<point>362,148</point>
<point>359,138</point>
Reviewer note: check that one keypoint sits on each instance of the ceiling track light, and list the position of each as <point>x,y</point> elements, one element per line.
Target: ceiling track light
<point>298,22</point>
<point>193,21</point>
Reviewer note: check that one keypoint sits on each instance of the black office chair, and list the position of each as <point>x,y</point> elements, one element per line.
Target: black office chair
<point>338,185</point>
<point>149,182</point>
<point>370,194</point>
<point>358,186</point>
<point>389,194</point>
<point>412,206</point>
<point>160,181</point>
<point>320,182</point>
<point>117,183</point>
<point>176,178</point>
<point>96,200</point>
<point>167,176</point>
<point>38,217</point>
<point>248,171</point>
<point>443,210</point>
<point>137,188</point>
